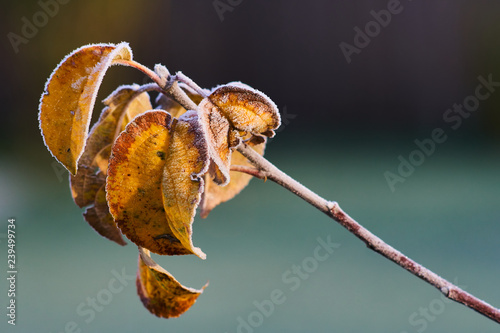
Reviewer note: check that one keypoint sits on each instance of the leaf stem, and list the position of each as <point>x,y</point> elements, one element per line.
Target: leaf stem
<point>333,210</point>
<point>141,67</point>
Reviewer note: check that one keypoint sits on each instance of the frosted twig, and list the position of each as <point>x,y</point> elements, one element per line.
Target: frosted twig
<point>265,169</point>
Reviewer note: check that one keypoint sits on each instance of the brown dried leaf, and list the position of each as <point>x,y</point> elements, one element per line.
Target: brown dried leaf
<point>160,292</point>
<point>134,183</point>
<point>68,100</point>
<point>93,163</point>
<point>220,137</point>
<point>247,109</point>
<point>232,111</point>
<point>182,183</point>
<point>85,187</point>
<point>100,219</point>
<point>214,194</point>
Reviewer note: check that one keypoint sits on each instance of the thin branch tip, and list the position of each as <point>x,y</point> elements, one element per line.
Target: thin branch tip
<point>333,210</point>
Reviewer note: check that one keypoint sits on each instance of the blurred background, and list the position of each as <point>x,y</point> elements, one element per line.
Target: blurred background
<point>353,103</point>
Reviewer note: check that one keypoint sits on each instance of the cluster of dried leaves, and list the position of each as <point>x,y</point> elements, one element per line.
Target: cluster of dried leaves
<point>142,172</point>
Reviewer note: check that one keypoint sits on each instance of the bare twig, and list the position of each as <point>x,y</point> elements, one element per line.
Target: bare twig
<point>333,210</point>
<point>249,170</point>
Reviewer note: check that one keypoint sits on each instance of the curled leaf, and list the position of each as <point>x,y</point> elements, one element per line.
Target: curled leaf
<point>220,137</point>
<point>68,100</point>
<point>214,195</point>
<point>182,183</point>
<point>230,112</point>
<point>160,292</point>
<point>247,109</point>
<point>134,181</point>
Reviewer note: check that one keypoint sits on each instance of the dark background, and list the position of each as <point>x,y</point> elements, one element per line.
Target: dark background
<point>347,125</point>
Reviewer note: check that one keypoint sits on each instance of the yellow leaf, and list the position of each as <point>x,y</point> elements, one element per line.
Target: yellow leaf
<point>182,183</point>
<point>160,292</point>
<point>68,100</point>
<point>100,219</point>
<point>247,109</point>
<point>214,195</point>
<point>122,104</point>
<point>134,183</point>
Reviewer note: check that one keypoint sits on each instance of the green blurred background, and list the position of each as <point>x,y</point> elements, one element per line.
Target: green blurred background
<point>345,125</point>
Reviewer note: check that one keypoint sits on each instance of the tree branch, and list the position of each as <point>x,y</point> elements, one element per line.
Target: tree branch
<point>333,210</point>
<point>267,170</point>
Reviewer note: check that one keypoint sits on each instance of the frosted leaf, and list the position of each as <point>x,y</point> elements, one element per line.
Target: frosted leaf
<point>69,97</point>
